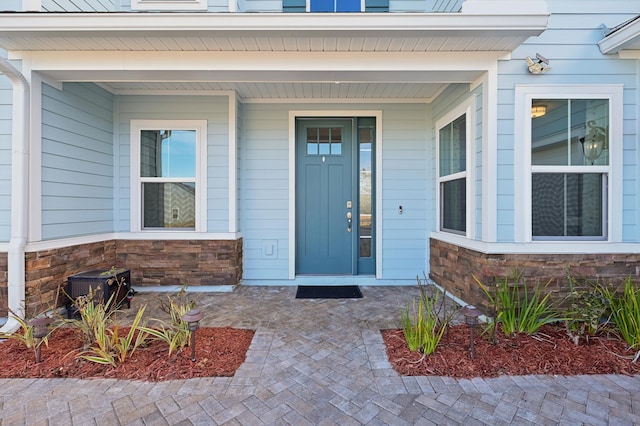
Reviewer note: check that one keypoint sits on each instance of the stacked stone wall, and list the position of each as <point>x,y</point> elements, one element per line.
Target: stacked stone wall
<point>46,271</point>
<point>454,267</point>
<point>191,262</point>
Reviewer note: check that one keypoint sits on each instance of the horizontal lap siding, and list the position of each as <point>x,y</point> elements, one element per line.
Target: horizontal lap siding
<point>405,174</point>
<point>215,110</point>
<point>265,188</point>
<point>78,6</point>
<point>6,100</point>
<point>77,161</point>
<point>570,43</point>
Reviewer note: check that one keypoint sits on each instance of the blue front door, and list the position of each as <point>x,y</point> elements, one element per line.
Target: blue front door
<point>325,204</point>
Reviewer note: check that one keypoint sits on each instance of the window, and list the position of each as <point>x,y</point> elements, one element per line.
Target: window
<point>169,186</point>
<point>452,146</point>
<point>168,4</point>
<point>571,141</point>
<point>569,167</point>
<point>300,6</point>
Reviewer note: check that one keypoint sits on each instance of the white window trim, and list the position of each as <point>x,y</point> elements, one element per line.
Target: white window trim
<point>524,94</point>
<point>465,108</point>
<point>200,126</point>
<point>168,4</point>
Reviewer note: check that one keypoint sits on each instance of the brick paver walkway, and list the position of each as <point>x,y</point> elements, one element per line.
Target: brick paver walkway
<point>318,362</point>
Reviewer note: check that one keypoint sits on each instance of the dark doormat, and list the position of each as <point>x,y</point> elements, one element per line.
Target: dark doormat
<point>328,292</point>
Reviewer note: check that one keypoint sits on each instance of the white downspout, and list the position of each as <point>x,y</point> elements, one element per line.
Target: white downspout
<point>19,195</point>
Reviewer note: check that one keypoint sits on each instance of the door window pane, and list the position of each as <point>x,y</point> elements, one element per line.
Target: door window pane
<point>324,141</point>
<point>365,138</point>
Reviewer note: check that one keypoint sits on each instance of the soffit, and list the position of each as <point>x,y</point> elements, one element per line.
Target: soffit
<point>277,32</point>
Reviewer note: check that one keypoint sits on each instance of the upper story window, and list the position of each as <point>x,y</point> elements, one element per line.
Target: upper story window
<point>328,6</point>
<point>177,5</point>
<point>571,141</point>
<point>168,184</point>
<point>453,139</point>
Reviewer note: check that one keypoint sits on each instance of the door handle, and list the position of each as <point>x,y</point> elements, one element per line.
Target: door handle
<point>348,221</point>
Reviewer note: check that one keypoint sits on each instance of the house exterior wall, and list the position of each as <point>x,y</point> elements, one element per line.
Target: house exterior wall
<point>214,6</point>
<point>571,41</point>
<point>77,161</point>
<point>215,110</point>
<point>265,186</point>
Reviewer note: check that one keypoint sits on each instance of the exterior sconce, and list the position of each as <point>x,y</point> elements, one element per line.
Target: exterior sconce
<point>594,142</point>
<point>538,111</point>
<point>40,330</point>
<point>192,318</point>
<point>536,65</point>
<point>471,314</point>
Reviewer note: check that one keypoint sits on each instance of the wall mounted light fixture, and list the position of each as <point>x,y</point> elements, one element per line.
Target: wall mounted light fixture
<point>538,111</point>
<point>536,65</point>
<point>594,142</point>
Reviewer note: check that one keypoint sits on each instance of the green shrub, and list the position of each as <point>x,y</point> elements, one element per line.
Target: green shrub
<point>517,308</point>
<point>625,312</point>
<point>421,325</point>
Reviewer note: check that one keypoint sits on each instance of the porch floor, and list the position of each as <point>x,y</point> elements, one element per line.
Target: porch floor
<point>318,362</point>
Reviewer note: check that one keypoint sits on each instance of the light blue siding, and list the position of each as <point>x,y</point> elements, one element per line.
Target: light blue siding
<point>265,187</point>
<point>78,6</point>
<point>570,43</point>
<point>214,6</point>
<point>77,161</point>
<point>6,95</point>
<point>215,110</point>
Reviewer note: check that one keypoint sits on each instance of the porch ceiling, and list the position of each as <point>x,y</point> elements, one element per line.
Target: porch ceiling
<point>277,32</point>
<point>293,91</point>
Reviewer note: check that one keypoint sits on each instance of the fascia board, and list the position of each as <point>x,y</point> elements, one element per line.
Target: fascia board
<point>627,37</point>
<point>264,24</point>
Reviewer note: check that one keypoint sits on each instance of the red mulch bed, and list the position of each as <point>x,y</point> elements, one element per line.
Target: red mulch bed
<point>550,352</point>
<point>219,352</point>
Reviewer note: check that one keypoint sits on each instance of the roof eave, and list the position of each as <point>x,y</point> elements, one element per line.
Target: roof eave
<point>626,38</point>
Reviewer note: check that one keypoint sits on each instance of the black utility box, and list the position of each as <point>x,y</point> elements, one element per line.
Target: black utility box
<point>104,283</point>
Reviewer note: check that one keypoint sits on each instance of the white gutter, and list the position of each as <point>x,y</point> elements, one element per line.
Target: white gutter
<point>19,200</point>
